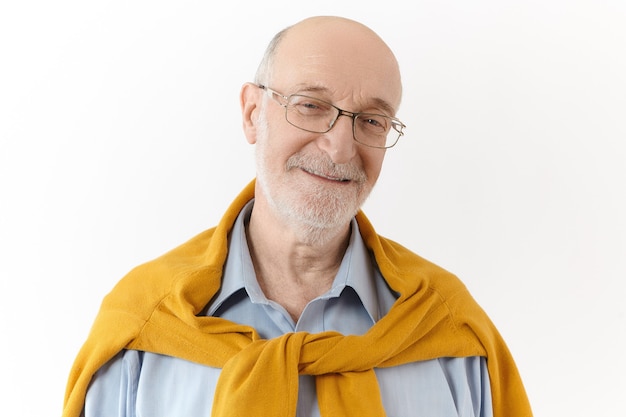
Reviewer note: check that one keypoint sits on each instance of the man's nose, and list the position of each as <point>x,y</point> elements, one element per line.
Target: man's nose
<point>339,142</point>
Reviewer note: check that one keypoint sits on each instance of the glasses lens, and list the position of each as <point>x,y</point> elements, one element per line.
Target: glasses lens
<point>375,130</point>
<point>310,114</point>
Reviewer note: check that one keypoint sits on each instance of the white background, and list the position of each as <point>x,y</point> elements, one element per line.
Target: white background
<point>121,138</point>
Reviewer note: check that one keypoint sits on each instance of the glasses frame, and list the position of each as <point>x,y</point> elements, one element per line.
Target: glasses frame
<point>396,124</point>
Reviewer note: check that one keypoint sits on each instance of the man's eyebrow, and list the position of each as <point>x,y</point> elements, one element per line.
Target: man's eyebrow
<point>306,88</point>
<point>378,102</point>
<point>385,106</point>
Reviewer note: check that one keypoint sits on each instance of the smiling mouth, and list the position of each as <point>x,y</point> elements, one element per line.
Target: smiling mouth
<point>325,176</point>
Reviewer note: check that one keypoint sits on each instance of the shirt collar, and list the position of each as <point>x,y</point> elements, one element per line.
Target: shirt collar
<point>357,270</point>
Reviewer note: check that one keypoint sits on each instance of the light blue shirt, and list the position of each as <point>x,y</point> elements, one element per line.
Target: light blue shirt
<point>141,384</point>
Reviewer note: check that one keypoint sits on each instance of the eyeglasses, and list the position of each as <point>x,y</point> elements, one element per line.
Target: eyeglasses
<point>318,116</point>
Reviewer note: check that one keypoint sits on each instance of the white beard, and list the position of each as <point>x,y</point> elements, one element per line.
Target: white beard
<point>316,212</point>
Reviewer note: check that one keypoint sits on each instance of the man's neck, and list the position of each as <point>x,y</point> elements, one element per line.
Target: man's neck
<point>291,268</point>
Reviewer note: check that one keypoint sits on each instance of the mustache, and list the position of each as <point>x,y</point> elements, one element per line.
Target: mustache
<point>322,165</point>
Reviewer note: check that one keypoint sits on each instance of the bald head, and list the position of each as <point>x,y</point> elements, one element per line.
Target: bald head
<point>333,53</point>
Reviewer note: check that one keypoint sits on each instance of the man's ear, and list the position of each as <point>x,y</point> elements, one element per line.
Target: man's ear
<point>249,99</point>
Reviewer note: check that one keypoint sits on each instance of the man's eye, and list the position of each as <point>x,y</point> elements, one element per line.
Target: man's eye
<point>373,122</point>
<point>310,106</point>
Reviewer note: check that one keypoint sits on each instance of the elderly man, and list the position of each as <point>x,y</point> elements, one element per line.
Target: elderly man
<point>293,305</point>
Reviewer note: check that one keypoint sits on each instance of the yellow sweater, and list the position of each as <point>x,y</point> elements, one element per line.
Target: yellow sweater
<point>154,309</point>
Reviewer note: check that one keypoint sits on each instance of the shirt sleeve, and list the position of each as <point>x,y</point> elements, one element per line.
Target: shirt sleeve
<point>113,390</point>
<point>468,379</point>
<point>441,387</point>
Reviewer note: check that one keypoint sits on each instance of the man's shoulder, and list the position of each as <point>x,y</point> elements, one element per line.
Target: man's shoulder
<point>400,261</point>
<point>154,279</point>
<point>189,254</point>
<point>405,270</point>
